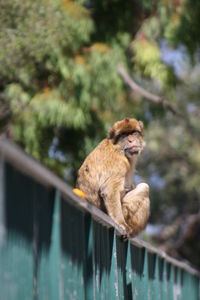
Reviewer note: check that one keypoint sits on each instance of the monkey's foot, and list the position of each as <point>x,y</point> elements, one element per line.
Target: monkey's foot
<point>127,234</point>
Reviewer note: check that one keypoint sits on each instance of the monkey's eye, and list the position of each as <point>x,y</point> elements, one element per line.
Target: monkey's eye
<point>123,135</point>
<point>136,133</point>
<point>120,137</point>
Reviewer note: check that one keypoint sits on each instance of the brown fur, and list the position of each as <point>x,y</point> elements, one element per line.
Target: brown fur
<point>106,175</point>
<point>125,126</point>
<point>136,208</point>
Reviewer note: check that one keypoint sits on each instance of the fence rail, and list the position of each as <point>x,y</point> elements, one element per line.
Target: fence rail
<point>54,245</point>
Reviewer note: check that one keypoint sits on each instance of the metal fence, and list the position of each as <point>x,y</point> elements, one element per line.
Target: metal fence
<point>54,245</point>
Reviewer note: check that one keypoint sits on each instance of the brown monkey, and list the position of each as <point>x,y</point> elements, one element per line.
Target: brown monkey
<point>106,175</point>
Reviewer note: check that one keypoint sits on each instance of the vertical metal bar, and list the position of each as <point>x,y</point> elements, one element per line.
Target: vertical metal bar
<point>145,291</point>
<point>152,292</point>
<point>96,259</point>
<point>87,258</point>
<point>48,245</point>
<point>104,267</point>
<point>102,250</point>
<point>2,206</point>
<point>122,264</point>
<point>136,270</point>
<point>111,263</point>
<point>128,273</point>
<point>177,284</point>
<point>113,275</point>
<point>157,280</point>
<point>2,224</point>
<point>72,254</point>
<point>185,286</point>
<point>140,272</point>
<point>163,279</point>
<point>16,251</point>
<point>170,279</point>
<point>54,255</point>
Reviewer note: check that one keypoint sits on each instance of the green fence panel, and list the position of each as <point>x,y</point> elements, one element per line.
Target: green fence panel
<point>54,245</point>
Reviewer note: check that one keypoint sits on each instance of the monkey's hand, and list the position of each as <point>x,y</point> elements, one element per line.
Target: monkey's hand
<point>129,188</point>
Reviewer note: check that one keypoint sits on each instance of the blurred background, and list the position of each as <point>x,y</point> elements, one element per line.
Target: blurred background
<point>60,91</point>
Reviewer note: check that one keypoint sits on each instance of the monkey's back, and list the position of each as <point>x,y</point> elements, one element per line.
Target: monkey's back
<point>104,162</point>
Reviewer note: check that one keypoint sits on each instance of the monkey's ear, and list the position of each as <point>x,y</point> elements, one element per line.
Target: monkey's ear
<point>111,133</point>
<point>141,125</point>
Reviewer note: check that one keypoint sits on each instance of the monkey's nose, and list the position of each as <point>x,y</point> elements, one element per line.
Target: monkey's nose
<point>134,143</point>
<point>130,138</point>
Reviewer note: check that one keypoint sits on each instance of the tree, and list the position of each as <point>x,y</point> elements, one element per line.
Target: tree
<point>55,83</point>
<point>60,89</point>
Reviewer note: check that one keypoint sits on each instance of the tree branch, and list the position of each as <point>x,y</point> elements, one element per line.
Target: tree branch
<point>184,118</point>
<point>149,96</point>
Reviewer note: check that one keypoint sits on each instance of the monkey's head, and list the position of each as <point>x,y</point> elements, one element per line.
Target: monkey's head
<point>128,134</point>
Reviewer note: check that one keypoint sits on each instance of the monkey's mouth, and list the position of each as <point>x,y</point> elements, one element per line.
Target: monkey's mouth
<point>133,151</point>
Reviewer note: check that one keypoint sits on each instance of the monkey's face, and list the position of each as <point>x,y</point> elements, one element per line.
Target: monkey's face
<point>132,143</point>
<point>128,134</point>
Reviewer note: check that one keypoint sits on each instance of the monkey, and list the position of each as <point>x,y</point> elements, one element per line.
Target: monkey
<point>106,176</point>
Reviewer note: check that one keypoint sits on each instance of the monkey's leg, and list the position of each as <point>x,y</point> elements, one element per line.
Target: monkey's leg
<point>136,208</point>
<point>112,201</point>
<point>134,198</point>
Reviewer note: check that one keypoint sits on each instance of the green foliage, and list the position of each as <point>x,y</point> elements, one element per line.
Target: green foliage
<point>60,89</point>
<point>148,63</point>
<point>52,79</point>
<point>181,24</point>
